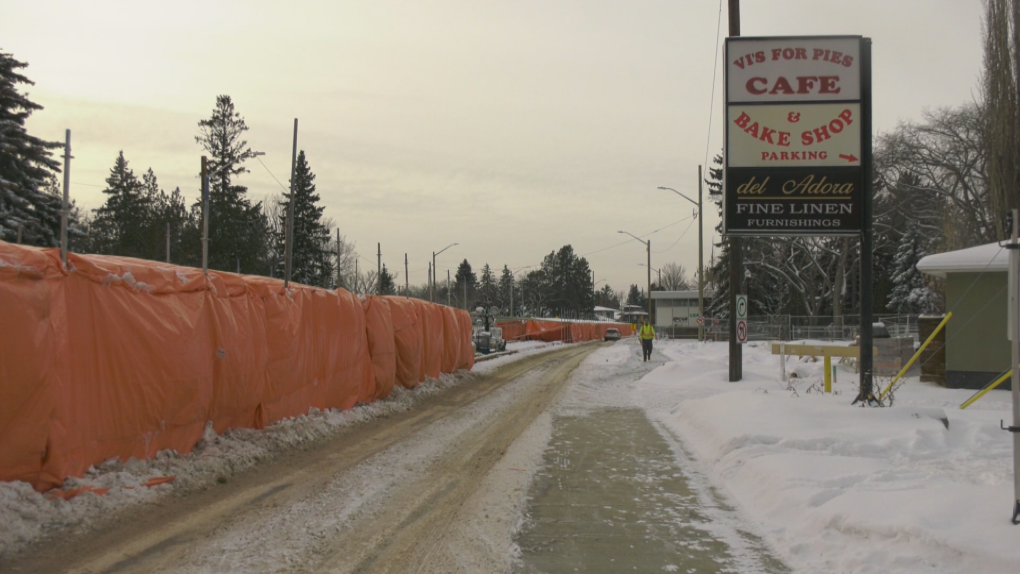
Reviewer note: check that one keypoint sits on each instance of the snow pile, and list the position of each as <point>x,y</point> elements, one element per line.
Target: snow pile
<point>837,488</point>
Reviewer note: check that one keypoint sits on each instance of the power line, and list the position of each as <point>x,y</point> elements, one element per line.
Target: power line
<point>688,228</point>
<point>715,68</point>
<point>273,176</point>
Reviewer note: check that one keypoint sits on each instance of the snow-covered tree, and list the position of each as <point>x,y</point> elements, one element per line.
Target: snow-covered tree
<point>26,163</point>
<point>912,293</point>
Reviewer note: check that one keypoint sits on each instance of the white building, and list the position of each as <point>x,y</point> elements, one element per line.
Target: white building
<point>678,308</point>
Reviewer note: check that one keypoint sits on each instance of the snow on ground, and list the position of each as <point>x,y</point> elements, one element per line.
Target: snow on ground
<point>830,487</point>
<point>836,488</point>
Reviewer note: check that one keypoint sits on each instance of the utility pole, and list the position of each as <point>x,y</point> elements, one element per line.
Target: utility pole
<point>378,268</point>
<point>289,251</point>
<point>448,287</point>
<point>205,215</point>
<point>430,282</point>
<point>65,206</point>
<point>648,247</point>
<point>355,276</point>
<point>168,242</point>
<point>407,279</point>
<point>701,262</point>
<point>736,255</point>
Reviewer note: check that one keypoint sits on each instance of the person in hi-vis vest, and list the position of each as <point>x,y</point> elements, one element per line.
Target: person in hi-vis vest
<point>647,333</point>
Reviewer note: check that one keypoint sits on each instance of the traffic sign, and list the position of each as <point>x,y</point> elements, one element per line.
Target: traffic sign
<point>701,321</point>
<point>741,331</point>
<point>741,307</point>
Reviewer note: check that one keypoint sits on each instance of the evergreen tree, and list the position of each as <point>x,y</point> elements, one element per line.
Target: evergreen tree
<point>386,283</point>
<point>311,257</point>
<point>506,284</point>
<point>637,296</point>
<point>238,230</point>
<point>465,278</point>
<point>487,289</point>
<point>26,163</point>
<point>911,292</point>
<point>119,225</point>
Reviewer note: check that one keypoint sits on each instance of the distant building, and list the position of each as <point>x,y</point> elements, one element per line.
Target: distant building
<point>633,314</point>
<point>606,313</point>
<point>678,308</point>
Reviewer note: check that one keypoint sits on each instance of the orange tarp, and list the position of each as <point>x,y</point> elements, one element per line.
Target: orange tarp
<point>123,358</point>
<point>550,331</point>
<point>381,344</point>
<point>408,341</point>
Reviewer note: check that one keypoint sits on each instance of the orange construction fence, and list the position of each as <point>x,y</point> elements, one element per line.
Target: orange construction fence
<point>556,330</point>
<point>121,357</point>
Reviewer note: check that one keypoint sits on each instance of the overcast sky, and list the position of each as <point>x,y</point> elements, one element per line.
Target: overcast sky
<point>510,127</point>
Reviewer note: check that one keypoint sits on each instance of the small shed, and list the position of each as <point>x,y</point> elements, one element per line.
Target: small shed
<point>977,348</point>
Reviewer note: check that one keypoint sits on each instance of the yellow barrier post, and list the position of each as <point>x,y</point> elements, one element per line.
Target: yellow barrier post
<point>828,373</point>
<point>985,390</point>
<point>916,355</point>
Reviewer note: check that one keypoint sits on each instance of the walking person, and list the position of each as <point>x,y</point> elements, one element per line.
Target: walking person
<point>647,333</point>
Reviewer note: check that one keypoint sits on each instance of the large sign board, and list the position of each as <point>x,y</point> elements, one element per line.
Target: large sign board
<point>793,136</point>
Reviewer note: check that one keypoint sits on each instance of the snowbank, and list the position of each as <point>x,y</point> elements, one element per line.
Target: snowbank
<point>837,488</point>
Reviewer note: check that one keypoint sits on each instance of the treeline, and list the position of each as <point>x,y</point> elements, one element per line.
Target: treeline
<point>140,218</point>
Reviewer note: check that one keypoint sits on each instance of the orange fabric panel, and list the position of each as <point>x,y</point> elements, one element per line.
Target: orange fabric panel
<point>381,344</point>
<point>548,331</point>
<point>431,319</point>
<point>514,330</point>
<point>407,338</point>
<point>123,357</point>
<point>467,347</point>
<point>33,362</point>
<point>140,361</point>
<point>451,340</point>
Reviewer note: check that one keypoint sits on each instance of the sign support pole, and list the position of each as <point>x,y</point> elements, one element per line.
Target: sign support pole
<point>735,250</point>
<point>866,394</point>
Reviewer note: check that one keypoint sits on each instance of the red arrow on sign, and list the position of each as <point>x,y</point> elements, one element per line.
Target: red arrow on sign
<point>849,158</point>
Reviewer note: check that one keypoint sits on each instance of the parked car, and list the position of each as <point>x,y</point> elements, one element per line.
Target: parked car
<point>612,334</point>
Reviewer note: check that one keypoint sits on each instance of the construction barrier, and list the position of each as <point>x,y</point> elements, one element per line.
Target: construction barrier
<point>553,330</point>
<point>123,358</point>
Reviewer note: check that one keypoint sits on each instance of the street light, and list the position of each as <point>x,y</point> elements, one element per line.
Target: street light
<point>512,273</point>
<point>432,289</point>
<point>701,254</point>
<point>648,247</point>
<point>658,271</point>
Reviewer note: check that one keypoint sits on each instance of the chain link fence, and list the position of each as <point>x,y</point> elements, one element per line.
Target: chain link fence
<point>794,327</point>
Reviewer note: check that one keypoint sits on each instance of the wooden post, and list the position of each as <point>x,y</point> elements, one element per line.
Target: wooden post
<point>65,206</point>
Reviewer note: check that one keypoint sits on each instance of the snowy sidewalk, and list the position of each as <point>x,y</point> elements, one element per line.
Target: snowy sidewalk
<point>837,488</point>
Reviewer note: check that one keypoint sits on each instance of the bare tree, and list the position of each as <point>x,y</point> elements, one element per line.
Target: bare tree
<point>674,277</point>
<point>1001,126</point>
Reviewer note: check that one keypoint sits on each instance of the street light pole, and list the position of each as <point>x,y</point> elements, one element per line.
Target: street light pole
<point>648,248</point>
<point>701,252</point>
<point>432,287</point>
